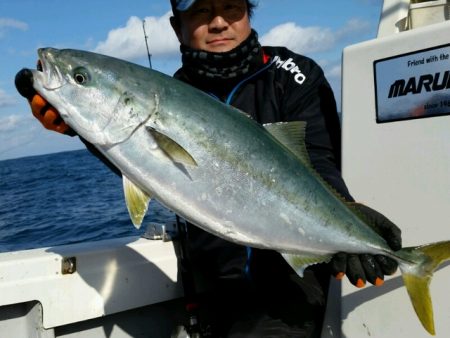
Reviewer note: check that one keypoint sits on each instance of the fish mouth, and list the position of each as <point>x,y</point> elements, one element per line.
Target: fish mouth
<point>46,77</point>
<point>47,70</point>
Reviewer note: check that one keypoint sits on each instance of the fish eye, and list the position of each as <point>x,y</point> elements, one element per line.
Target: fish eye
<point>81,76</point>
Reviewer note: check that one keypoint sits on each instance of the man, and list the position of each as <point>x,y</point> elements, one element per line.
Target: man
<point>248,292</point>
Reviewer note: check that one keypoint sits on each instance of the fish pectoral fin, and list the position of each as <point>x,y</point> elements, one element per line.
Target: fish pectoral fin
<point>292,136</point>
<point>299,262</point>
<point>137,201</point>
<point>172,149</point>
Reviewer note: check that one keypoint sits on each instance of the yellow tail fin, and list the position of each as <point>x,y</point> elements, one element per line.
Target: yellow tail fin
<point>417,277</point>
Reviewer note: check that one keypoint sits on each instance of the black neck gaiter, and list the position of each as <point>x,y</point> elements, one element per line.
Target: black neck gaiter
<point>221,68</point>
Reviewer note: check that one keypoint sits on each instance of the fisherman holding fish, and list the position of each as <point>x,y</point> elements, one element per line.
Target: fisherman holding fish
<point>254,292</point>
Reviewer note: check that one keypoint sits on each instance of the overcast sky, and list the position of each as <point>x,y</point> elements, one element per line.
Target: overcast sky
<point>318,29</point>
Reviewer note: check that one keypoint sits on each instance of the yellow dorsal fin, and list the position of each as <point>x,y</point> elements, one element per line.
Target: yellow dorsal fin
<point>292,136</point>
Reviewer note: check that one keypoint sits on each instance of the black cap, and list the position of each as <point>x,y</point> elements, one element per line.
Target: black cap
<point>181,5</point>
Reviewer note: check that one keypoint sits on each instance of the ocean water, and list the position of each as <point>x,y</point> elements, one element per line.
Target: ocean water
<point>64,198</point>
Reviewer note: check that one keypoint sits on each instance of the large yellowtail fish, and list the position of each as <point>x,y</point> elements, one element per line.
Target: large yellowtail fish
<point>216,167</point>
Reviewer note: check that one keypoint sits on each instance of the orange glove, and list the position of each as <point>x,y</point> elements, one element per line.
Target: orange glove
<point>48,115</point>
<point>41,109</point>
<point>362,268</point>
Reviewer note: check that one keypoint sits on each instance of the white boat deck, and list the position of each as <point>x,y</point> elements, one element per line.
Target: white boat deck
<point>108,277</point>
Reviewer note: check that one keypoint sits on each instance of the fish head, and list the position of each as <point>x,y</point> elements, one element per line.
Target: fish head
<point>91,93</point>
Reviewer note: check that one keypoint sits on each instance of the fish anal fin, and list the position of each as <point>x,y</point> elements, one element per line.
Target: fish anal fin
<point>137,201</point>
<point>299,262</point>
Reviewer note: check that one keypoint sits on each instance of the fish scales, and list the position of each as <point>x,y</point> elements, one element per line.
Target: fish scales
<point>249,162</point>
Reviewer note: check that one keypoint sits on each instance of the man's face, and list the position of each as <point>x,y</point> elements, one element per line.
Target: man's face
<point>214,25</point>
